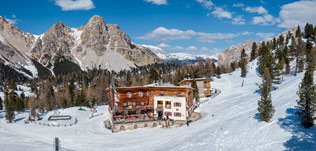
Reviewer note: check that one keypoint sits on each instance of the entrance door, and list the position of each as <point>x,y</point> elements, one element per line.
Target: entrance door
<point>160,113</point>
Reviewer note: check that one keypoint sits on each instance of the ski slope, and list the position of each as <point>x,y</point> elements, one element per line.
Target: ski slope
<point>229,122</point>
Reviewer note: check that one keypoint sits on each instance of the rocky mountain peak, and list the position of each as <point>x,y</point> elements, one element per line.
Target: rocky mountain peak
<point>96,18</point>
<point>95,32</point>
<point>54,44</point>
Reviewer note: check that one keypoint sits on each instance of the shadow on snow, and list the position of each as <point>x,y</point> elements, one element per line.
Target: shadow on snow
<point>257,117</point>
<point>302,139</point>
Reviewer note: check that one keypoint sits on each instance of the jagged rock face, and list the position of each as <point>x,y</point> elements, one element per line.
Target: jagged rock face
<point>99,41</point>
<point>54,45</point>
<point>95,44</point>
<point>95,35</point>
<point>21,41</point>
<point>232,54</point>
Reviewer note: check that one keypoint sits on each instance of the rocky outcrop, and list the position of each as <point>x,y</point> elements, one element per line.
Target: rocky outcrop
<point>232,54</point>
<point>105,46</point>
<point>94,45</point>
<point>53,45</point>
<point>19,41</point>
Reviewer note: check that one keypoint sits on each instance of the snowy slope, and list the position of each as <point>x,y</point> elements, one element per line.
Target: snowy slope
<point>229,122</point>
<point>162,54</point>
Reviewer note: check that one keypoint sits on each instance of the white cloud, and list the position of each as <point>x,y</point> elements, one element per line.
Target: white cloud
<point>238,5</point>
<point>178,48</point>
<point>265,35</point>
<point>297,13</point>
<point>168,47</point>
<point>264,19</point>
<point>206,3</point>
<point>157,2</point>
<point>165,35</point>
<point>239,20</point>
<point>221,13</point>
<point>67,5</point>
<point>205,40</point>
<point>204,49</point>
<point>191,48</point>
<point>259,10</point>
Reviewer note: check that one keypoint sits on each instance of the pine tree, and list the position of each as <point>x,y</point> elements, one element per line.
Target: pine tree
<point>209,68</point>
<point>9,106</point>
<point>298,32</point>
<point>81,98</point>
<point>265,106</point>
<point>12,85</point>
<point>277,71</point>
<point>243,63</point>
<point>153,75</point>
<point>274,43</point>
<point>286,60</point>
<point>307,99</point>
<point>19,104</point>
<point>63,102</point>
<point>195,90</point>
<point>233,66</point>
<point>309,29</point>
<point>218,71</point>
<point>253,51</point>
<point>281,41</point>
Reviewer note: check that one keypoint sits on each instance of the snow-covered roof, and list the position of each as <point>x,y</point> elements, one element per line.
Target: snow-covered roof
<point>156,85</point>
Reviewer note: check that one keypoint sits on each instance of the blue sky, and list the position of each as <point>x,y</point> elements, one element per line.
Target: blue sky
<point>191,26</point>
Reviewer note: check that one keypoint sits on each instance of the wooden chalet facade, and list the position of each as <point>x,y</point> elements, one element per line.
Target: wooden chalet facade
<point>204,85</point>
<point>137,103</point>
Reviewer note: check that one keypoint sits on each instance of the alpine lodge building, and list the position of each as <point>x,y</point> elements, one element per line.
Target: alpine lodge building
<point>149,103</point>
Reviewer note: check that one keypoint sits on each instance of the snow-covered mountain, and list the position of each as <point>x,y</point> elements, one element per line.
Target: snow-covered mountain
<point>180,57</point>
<point>95,44</point>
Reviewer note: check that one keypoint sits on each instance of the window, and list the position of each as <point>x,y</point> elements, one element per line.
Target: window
<point>161,93</point>
<point>168,113</point>
<point>177,104</point>
<point>176,114</point>
<point>129,94</point>
<point>168,105</point>
<point>140,94</point>
<point>160,104</point>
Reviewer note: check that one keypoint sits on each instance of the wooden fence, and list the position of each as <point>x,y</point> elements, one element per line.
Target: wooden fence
<point>52,125</point>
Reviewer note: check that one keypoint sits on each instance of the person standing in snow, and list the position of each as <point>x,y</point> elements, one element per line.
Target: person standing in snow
<point>188,123</point>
